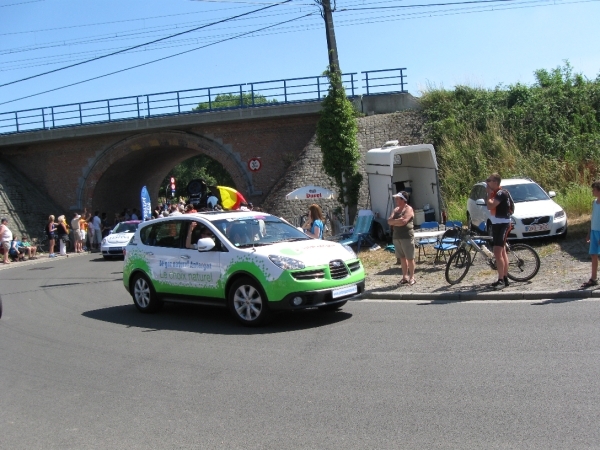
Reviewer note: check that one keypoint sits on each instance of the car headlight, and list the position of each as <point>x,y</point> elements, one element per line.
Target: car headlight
<point>286,263</point>
<point>103,241</point>
<point>349,250</point>
<point>559,214</point>
<point>513,220</point>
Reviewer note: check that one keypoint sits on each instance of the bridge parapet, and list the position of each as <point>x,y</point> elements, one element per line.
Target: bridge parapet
<point>201,100</point>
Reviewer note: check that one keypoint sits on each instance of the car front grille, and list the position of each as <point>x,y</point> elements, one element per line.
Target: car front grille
<point>353,267</point>
<point>338,269</point>
<point>317,274</point>
<point>537,233</point>
<point>530,220</point>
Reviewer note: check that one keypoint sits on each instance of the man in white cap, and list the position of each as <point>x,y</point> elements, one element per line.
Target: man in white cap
<point>77,232</point>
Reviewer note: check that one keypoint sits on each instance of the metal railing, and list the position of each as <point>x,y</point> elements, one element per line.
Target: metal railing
<point>216,98</point>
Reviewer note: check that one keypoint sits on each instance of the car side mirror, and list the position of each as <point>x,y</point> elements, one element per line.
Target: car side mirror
<point>205,244</point>
<point>551,194</point>
<point>110,232</point>
<point>480,202</point>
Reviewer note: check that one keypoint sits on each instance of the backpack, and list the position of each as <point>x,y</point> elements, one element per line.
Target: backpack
<point>511,203</point>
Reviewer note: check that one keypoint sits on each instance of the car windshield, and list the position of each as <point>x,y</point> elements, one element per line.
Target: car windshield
<point>258,230</point>
<point>124,227</point>
<point>529,192</point>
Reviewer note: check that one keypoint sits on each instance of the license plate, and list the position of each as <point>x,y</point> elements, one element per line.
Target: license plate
<point>348,290</point>
<point>537,227</point>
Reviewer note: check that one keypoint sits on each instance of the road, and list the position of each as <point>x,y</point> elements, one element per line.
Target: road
<point>80,368</point>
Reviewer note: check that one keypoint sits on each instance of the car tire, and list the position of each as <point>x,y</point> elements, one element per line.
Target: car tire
<point>332,307</point>
<point>143,294</point>
<point>106,258</point>
<point>469,222</point>
<point>248,303</point>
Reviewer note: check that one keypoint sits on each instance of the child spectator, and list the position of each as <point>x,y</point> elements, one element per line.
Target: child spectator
<point>593,237</point>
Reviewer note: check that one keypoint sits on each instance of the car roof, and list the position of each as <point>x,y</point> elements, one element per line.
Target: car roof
<point>130,221</point>
<point>212,216</point>
<point>512,181</point>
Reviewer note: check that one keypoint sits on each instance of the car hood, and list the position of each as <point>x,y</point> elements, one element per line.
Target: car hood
<point>535,209</point>
<point>314,252</point>
<point>118,238</point>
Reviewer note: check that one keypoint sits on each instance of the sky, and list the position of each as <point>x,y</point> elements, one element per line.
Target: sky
<point>481,44</point>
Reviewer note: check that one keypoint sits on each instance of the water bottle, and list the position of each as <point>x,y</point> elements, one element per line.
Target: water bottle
<point>487,251</point>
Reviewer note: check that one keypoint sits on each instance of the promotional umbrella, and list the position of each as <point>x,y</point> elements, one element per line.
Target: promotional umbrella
<point>310,193</point>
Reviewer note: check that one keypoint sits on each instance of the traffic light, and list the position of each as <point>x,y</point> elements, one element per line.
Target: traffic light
<point>172,187</point>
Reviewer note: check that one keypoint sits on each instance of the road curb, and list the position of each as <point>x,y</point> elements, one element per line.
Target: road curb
<point>467,296</point>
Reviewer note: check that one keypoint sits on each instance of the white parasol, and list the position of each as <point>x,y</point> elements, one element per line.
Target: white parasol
<point>310,193</point>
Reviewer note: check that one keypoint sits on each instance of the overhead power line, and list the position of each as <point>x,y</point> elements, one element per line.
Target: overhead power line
<point>427,5</point>
<point>144,44</point>
<point>157,60</point>
<point>21,3</point>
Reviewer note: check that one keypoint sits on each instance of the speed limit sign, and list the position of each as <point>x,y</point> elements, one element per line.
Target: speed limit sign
<point>254,164</point>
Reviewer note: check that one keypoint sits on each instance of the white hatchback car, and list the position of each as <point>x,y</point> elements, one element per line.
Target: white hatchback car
<point>113,245</point>
<point>536,214</point>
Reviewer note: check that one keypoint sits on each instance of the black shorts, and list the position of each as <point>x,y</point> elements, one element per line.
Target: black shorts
<point>500,233</point>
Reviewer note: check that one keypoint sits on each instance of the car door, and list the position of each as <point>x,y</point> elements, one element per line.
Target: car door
<point>481,211</point>
<point>202,269</point>
<point>163,250</point>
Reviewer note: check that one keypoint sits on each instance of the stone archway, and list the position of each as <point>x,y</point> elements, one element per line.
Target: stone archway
<point>114,178</point>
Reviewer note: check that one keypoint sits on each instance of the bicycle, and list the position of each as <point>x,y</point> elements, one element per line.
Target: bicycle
<point>523,260</point>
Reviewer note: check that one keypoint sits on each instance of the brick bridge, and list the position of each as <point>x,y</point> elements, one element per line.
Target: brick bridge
<point>104,166</point>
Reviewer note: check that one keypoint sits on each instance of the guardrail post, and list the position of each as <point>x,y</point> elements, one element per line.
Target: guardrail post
<point>108,107</point>
<point>16,123</point>
<point>241,97</point>
<point>148,105</point>
<point>367,81</point>
<point>43,119</point>
<point>401,80</point>
<point>52,110</point>
<point>252,92</point>
<point>209,101</point>
<point>285,91</point>
<point>319,88</point>
<point>80,117</point>
<point>352,83</point>
<point>178,105</point>
<point>137,99</point>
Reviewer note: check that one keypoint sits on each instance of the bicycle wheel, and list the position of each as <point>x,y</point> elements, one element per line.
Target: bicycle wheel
<point>523,262</point>
<point>458,265</point>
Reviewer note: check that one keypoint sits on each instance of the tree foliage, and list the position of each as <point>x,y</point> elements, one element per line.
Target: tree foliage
<point>336,135</point>
<point>200,166</point>
<point>549,131</point>
<point>233,101</point>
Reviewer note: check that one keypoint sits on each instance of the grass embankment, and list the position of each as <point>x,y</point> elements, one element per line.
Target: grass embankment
<point>549,132</point>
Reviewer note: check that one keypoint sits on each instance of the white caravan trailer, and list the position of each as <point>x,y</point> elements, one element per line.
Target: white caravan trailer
<point>393,168</point>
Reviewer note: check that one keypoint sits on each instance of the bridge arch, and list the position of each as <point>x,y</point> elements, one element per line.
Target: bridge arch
<point>114,178</point>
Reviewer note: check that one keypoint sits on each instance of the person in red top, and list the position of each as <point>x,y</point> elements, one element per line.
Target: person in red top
<point>189,209</point>
<point>498,205</point>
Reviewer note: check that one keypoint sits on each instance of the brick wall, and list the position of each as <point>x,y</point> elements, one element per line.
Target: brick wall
<point>374,131</point>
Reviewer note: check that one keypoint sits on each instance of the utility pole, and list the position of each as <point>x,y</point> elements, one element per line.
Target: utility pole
<point>326,13</point>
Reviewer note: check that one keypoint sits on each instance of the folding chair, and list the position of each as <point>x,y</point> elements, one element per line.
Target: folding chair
<point>426,241</point>
<point>362,230</point>
<point>447,244</point>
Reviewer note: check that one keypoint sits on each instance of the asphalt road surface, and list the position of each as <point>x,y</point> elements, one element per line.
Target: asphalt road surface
<point>81,368</point>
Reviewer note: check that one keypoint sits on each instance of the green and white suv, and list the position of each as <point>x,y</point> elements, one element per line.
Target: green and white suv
<point>253,263</point>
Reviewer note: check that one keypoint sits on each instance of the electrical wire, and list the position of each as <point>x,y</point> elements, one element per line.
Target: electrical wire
<point>141,45</point>
<point>363,20</point>
<point>156,60</point>
<point>21,3</point>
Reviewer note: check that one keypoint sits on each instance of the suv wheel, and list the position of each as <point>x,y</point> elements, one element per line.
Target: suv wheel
<point>144,295</point>
<point>247,302</point>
